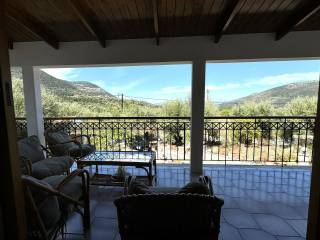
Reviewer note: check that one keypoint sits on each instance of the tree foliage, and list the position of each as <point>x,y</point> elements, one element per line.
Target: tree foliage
<point>253,109</point>
<point>301,106</point>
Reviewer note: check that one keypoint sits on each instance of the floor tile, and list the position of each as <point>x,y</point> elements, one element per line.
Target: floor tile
<point>260,203</point>
<point>234,192</point>
<point>250,205</point>
<point>106,210</point>
<point>229,202</point>
<point>290,238</point>
<point>274,225</point>
<point>282,210</point>
<point>228,232</point>
<point>259,195</point>
<point>300,226</point>
<point>255,234</point>
<point>103,229</point>
<point>239,218</point>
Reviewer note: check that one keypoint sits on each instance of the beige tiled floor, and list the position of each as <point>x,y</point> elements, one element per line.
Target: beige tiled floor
<point>262,203</point>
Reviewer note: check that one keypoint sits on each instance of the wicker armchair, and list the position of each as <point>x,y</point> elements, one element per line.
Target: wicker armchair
<point>169,215</point>
<point>61,143</point>
<point>39,165</point>
<point>49,203</point>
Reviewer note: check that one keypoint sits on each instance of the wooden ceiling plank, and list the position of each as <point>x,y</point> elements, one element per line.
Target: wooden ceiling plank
<point>156,20</point>
<point>89,25</point>
<point>227,16</point>
<point>27,22</point>
<point>251,14</point>
<point>308,9</point>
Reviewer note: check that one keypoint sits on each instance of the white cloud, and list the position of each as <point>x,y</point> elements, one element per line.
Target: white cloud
<point>62,73</point>
<point>115,89</point>
<point>283,79</point>
<point>187,89</point>
<point>223,87</point>
<point>175,89</point>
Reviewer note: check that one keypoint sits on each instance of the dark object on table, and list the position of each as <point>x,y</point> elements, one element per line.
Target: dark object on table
<point>36,164</point>
<point>61,143</point>
<point>169,214</point>
<point>50,202</point>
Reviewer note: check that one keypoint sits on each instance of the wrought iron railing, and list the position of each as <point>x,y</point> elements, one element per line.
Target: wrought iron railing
<point>279,140</point>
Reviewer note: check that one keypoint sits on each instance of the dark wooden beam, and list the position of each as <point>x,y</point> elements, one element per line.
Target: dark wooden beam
<point>86,22</point>
<point>303,12</point>
<point>12,213</point>
<point>156,20</point>
<point>314,199</point>
<point>10,44</point>
<point>226,18</point>
<point>34,27</point>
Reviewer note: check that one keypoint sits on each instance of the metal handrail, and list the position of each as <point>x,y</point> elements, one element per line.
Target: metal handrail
<point>178,118</point>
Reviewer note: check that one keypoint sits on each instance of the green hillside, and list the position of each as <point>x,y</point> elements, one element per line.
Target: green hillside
<point>279,96</point>
<point>72,89</point>
<point>64,98</point>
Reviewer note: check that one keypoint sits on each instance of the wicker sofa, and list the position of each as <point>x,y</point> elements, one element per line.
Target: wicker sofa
<point>167,214</point>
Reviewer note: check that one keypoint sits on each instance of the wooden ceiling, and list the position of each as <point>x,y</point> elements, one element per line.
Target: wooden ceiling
<point>55,21</point>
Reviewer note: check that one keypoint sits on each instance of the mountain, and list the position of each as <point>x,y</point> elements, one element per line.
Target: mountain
<point>279,96</point>
<point>72,89</point>
<point>64,88</point>
<point>78,98</point>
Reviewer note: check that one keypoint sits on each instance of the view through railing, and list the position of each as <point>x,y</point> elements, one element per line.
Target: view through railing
<point>274,140</point>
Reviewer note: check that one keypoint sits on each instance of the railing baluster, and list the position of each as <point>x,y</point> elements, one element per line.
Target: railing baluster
<point>125,133</point>
<point>99,124</point>
<point>269,138</point>
<point>178,137</point>
<point>275,148</point>
<point>254,139</point>
<point>232,142</point>
<point>184,141</point>
<point>240,140</point>
<point>226,145</point>
<point>211,146</point>
<point>106,134</point>
<point>119,138</point>
<point>305,144</point>
<point>157,152</point>
<point>131,130</point>
<point>291,140</point>
<point>247,143</point>
<point>170,140</point>
<point>298,144</point>
<point>261,148</point>
<point>164,141</point>
<point>219,134</point>
<point>283,139</point>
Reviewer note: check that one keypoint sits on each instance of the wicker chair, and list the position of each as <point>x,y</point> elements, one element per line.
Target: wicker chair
<point>49,203</point>
<point>61,143</point>
<point>35,163</point>
<point>169,216</point>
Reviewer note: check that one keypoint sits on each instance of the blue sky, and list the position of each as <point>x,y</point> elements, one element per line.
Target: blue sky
<point>224,81</point>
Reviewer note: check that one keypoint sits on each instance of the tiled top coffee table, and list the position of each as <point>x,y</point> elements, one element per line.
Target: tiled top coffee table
<point>145,160</point>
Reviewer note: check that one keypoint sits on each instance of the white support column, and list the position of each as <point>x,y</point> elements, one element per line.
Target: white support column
<point>33,103</point>
<point>197,115</point>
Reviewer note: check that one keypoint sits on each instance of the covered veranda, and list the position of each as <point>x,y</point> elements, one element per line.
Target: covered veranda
<point>37,43</point>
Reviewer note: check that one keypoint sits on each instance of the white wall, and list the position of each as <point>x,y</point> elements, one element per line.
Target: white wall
<point>232,47</point>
